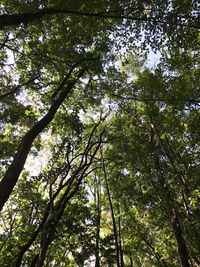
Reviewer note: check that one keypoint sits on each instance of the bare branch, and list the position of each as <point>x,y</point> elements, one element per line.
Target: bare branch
<point>32,79</point>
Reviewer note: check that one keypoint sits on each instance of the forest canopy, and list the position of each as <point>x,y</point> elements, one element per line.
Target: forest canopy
<point>99,133</point>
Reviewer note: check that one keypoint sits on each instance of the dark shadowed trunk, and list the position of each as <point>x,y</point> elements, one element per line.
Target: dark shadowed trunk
<point>182,248</point>
<point>17,19</point>
<point>131,262</point>
<point>180,241</point>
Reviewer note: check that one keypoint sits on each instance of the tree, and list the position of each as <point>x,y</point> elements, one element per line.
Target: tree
<point>154,142</point>
<point>10,179</point>
<point>64,65</point>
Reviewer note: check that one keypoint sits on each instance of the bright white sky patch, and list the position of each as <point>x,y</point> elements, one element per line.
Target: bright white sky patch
<point>36,164</point>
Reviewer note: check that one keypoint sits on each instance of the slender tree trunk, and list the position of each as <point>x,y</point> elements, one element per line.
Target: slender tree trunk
<point>14,170</point>
<point>169,200</point>
<point>138,263</point>
<point>30,242</point>
<point>113,217</point>
<point>120,239</point>
<point>180,241</point>
<point>98,222</point>
<point>45,241</point>
<point>131,262</point>
<point>182,248</point>
<point>34,260</point>
<point>166,148</point>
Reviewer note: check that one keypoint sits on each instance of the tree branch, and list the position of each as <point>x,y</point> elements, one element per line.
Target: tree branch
<point>17,19</point>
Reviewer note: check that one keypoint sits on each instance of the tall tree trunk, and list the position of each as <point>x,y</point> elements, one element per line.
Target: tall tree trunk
<point>113,217</point>
<point>169,199</point>
<point>25,247</point>
<point>98,222</point>
<point>45,241</point>
<point>131,262</point>
<point>14,170</point>
<point>179,238</point>
<point>182,248</point>
<point>34,260</point>
<point>120,239</point>
<point>177,170</point>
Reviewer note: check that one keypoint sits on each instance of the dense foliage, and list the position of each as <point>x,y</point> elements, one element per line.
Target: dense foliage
<point>99,143</point>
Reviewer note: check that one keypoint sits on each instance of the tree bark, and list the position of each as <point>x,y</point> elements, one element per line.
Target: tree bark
<point>17,19</point>
<point>38,14</point>
<point>120,239</point>
<point>113,218</point>
<point>14,170</point>
<point>131,262</point>
<point>182,248</point>
<point>46,239</point>
<point>25,247</point>
<point>98,221</point>
<point>170,201</point>
<point>180,241</point>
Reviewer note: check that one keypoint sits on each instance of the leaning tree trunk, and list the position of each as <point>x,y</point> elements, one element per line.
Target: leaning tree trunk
<point>12,175</point>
